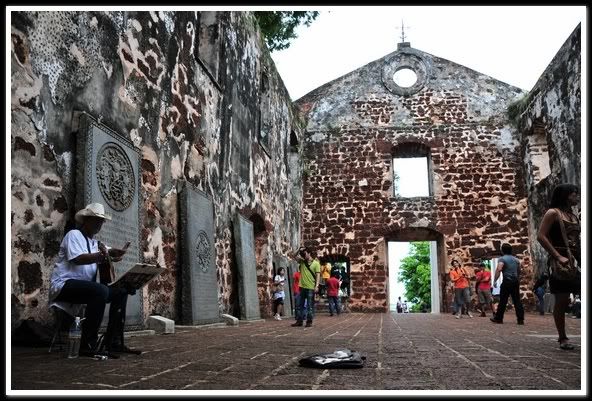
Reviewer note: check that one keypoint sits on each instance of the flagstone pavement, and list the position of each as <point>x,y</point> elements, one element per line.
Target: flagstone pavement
<point>403,352</point>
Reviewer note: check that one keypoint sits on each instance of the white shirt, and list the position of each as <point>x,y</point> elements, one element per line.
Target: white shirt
<point>279,280</point>
<point>73,245</point>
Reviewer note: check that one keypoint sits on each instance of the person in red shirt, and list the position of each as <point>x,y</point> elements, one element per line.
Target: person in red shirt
<point>333,285</point>
<point>483,283</point>
<point>296,292</point>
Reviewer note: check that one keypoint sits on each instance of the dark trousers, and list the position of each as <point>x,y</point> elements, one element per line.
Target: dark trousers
<point>334,305</point>
<point>95,296</point>
<point>510,289</point>
<point>297,312</point>
<point>540,293</point>
<point>306,300</point>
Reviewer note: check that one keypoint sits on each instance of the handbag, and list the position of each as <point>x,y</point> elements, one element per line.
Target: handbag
<point>568,272</point>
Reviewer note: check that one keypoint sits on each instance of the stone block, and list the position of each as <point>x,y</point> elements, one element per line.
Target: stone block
<point>161,325</point>
<point>230,320</point>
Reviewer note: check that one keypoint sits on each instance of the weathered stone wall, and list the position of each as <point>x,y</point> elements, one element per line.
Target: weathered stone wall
<point>354,126</point>
<point>187,89</point>
<point>552,118</point>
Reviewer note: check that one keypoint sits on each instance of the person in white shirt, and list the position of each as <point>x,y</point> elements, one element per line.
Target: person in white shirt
<point>399,305</point>
<point>73,280</point>
<point>278,294</point>
<point>405,307</point>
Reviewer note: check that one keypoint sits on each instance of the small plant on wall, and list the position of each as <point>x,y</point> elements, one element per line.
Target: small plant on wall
<point>515,109</point>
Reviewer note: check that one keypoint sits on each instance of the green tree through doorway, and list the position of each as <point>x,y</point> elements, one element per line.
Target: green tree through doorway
<point>415,273</point>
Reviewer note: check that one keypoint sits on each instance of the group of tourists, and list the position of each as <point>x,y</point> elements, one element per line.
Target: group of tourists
<point>559,235</point>
<point>73,280</point>
<point>308,286</point>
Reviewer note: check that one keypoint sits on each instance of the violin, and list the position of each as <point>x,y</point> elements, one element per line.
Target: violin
<point>106,269</point>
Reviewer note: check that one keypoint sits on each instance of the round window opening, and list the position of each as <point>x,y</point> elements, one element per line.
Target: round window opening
<point>405,77</point>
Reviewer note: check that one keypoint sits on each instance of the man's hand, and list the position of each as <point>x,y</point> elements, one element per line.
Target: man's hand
<point>117,253</point>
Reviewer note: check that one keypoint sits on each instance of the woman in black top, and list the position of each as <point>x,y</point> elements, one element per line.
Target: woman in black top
<point>564,198</point>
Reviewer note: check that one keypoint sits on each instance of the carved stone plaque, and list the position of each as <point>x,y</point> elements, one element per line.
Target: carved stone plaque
<point>247,268</point>
<point>199,290</point>
<point>108,172</point>
<point>115,176</point>
<point>203,251</point>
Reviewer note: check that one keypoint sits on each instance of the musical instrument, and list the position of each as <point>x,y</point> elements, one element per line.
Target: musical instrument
<point>106,269</point>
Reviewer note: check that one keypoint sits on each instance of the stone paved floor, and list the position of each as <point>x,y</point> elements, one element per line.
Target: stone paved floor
<point>403,351</point>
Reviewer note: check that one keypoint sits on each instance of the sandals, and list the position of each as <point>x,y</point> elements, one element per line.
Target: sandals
<point>565,345</point>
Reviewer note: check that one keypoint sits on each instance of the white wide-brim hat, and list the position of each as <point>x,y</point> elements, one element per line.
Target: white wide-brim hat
<point>92,210</point>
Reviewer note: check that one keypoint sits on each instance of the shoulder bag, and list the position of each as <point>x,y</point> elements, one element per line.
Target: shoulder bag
<point>568,272</point>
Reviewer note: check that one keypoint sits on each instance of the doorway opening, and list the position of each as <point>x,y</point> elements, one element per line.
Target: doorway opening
<point>340,267</point>
<point>412,268</point>
<point>434,249</point>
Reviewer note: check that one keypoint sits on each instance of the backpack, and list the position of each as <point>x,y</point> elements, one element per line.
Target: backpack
<point>340,359</point>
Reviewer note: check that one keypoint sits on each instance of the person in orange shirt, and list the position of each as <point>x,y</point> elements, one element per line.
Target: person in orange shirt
<point>462,295</point>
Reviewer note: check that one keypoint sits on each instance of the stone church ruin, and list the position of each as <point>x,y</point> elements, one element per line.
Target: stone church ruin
<point>179,123</point>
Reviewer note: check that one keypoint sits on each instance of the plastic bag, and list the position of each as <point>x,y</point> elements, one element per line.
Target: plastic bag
<point>339,359</point>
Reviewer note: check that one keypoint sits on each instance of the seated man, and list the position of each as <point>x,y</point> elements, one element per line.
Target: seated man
<point>73,279</point>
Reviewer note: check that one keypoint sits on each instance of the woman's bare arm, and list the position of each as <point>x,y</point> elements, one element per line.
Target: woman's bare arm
<point>543,235</point>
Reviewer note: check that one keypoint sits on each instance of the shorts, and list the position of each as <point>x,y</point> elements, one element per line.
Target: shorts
<point>278,301</point>
<point>484,296</point>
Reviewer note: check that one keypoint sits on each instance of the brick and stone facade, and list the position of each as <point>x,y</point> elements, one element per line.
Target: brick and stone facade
<point>197,93</point>
<point>456,117</point>
<point>550,128</point>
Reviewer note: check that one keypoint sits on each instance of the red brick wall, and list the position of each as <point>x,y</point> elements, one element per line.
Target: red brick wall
<point>478,200</point>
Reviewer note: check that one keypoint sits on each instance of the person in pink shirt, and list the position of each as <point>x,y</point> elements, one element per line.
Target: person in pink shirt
<point>483,282</point>
<point>333,284</point>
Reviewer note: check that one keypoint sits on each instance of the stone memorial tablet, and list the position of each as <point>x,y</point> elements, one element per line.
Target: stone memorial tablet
<point>108,172</point>
<point>247,268</point>
<point>200,285</point>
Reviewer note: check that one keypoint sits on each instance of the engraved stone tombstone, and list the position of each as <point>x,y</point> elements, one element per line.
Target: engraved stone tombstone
<point>108,172</point>
<point>200,285</point>
<point>280,261</point>
<point>247,268</point>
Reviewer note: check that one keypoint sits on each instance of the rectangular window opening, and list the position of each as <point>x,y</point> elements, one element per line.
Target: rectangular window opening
<point>410,177</point>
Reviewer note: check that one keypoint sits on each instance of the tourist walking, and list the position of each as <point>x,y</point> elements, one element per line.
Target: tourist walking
<point>559,234</point>
<point>399,305</point>
<point>509,267</point>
